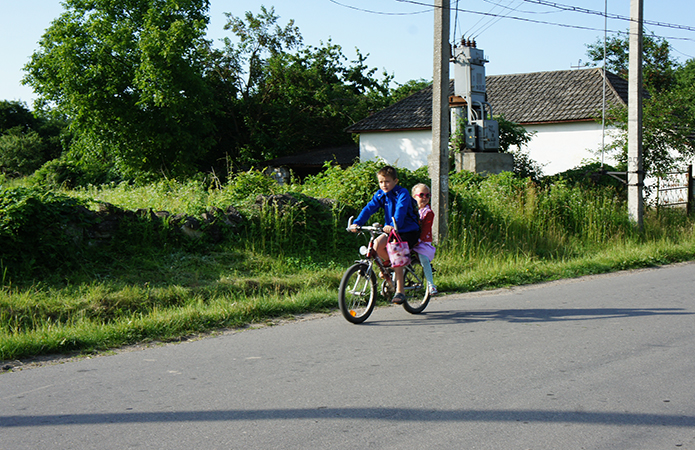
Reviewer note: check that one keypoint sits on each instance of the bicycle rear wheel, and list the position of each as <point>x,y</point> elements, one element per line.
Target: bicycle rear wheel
<point>357,293</point>
<point>417,293</point>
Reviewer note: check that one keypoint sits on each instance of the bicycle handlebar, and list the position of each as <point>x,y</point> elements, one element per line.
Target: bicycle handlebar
<point>375,227</point>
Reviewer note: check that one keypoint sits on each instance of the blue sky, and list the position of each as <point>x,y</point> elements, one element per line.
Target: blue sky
<point>518,36</point>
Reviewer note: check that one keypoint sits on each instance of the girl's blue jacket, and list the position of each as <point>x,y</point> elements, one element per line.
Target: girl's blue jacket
<point>396,203</point>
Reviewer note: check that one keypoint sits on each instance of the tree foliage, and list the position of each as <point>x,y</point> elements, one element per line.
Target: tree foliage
<point>668,114</point>
<point>668,131</point>
<point>27,139</point>
<point>407,89</point>
<point>658,65</point>
<point>280,97</point>
<point>148,96</point>
<point>129,75</point>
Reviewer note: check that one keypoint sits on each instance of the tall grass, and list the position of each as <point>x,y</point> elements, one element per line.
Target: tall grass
<point>503,215</point>
<point>288,255</point>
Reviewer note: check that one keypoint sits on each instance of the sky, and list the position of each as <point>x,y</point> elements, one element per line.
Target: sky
<point>517,36</point>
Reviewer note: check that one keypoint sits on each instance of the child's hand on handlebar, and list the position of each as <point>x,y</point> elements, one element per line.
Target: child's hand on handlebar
<point>387,229</point>
<point>354,228</point>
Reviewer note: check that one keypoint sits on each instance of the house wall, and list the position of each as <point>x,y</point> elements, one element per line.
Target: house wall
<point>407,149</point>
<point>558,146</point>
<point>561,147</point>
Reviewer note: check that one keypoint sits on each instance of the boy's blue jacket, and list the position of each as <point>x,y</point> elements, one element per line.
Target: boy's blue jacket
<point>396,203</point>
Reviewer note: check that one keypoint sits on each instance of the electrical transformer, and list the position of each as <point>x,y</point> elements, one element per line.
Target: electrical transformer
<point>481,132</point>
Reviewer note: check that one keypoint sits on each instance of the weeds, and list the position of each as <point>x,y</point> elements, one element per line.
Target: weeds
<point>289,253</point>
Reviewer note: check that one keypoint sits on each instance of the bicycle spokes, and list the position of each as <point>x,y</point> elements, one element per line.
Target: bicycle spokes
<point>357,293</point>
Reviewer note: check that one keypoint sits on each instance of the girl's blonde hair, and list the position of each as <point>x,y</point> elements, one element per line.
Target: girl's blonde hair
<point>419,186</point>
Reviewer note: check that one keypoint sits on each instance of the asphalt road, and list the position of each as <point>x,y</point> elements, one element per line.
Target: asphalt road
<point>603,362</point>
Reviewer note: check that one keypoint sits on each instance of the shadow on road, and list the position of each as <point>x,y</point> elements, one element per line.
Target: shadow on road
<point>386,414</point>
<point>532,315</point>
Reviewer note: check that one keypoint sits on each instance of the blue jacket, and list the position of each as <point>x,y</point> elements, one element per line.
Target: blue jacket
<point>396,203</point>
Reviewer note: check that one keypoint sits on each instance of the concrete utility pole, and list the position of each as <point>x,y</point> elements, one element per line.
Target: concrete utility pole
<point>439,158</point>
<point>635,173</point>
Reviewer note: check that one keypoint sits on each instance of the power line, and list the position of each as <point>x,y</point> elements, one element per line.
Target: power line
<point>607,15</point>
<point>473,27</point>
<point>560,6</point>
<point>491,22</point>
<point>563,25</point>
<point>522,19</point>
<point>381,12</point>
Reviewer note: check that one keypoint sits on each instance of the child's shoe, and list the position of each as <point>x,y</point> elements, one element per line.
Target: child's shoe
<point>398,299</point>
<point>433,290</point>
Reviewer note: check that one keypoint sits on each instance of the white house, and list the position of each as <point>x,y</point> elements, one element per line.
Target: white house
<point>562,107</point>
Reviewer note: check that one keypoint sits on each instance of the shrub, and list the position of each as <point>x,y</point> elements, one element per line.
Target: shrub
<point>504,214</point>
<point>21,153</point>
<point>67,172</point>
<point>355,185</point>
<point>39,230</point>
<point>590,175</point>
<point>244,187</point>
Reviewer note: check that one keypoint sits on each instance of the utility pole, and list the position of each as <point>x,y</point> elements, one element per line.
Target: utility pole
<point>439,158</point>
<point>635,172</point>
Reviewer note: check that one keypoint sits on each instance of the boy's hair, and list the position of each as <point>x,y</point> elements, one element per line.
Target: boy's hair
<point>419,186</point>
<point>388,171</point>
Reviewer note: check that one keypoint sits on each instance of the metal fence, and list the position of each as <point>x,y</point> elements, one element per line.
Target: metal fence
<point>675,189</point>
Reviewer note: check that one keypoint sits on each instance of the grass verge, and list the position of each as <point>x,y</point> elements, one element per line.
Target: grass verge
<point>287,259</point>
<point>108,314</point>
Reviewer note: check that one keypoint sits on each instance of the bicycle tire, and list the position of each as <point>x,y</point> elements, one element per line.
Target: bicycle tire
<point>357,293</point>
<point>417,293</point>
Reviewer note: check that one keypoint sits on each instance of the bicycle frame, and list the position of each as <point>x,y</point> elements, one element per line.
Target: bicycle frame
<point>372,257</point>
<point>358,287</point>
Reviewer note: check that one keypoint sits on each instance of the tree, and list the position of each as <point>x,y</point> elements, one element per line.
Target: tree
<point>21,153</point>
<point>668,136</point>
<point>259,37</point>
<point>658,65</point>
<point>28,139</point>
<point>305,100</point>
<point>129,76</point>
<point>668,114</point>
<point>281,97</point>
<point>15,114</point>
<point>408,88</point>
<point>685,75</point>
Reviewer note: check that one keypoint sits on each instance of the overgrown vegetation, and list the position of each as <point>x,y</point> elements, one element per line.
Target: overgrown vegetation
<point>668,111</point>
<point>150,283</point>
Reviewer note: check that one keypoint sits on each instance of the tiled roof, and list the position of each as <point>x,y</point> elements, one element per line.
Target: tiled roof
<point>412,113</point>
<point>539,97</point>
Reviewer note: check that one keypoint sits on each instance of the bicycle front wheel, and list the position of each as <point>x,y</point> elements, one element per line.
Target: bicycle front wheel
<point>417,293</point>
<point>357,293</point>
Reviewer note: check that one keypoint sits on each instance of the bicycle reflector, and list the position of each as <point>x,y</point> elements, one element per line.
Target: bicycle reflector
<point>363,250</point>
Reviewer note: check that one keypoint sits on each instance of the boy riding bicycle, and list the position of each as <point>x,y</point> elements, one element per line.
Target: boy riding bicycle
<point>398,205</point>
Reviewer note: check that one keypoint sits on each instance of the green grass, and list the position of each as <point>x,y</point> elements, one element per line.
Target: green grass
<point>288,261</point>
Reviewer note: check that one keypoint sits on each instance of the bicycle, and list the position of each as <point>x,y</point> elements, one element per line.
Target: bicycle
<point>358,287</point>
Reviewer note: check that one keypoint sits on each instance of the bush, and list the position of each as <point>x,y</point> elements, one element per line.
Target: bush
<point>504,214</point>
<point>39,230</point>
<point>66,172</point>
<point>21,153</point>
<point>355,185</point>
<point>590,175</point>
<point>244,187</point>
